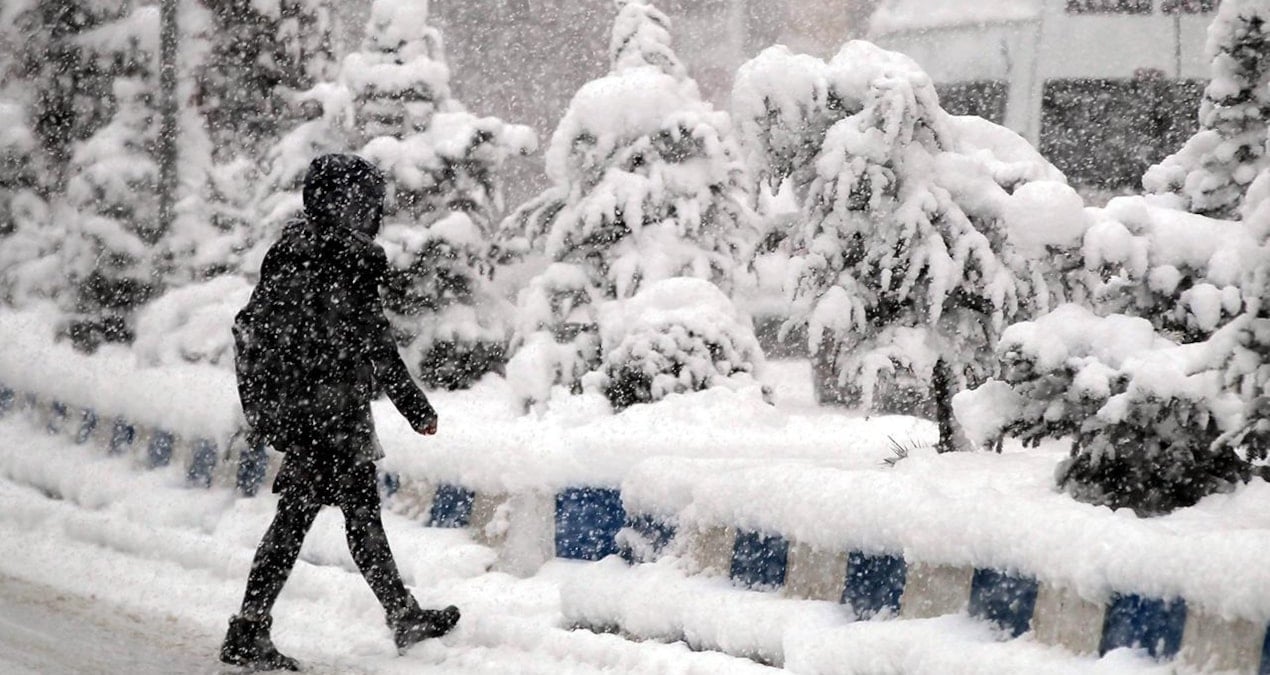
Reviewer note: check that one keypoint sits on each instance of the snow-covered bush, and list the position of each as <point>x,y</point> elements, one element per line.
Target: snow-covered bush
<point>674,336</point>
<point>1143,413</point>
<point>191,324</point>
<point>455,328</point>
<point>1244,363</point>
<point>1210,174</point>
<point>1180,271</point>
<point>1160,388</point>
<point>556,340</point>
<point>648,184</point>
<point>922,235</point>
<point>28,241</point>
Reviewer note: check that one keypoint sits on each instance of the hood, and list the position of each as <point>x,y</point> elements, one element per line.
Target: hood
<point>345,191</point>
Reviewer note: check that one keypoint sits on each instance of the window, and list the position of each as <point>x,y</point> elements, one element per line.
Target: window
<point>1109,6</point>
<point>1189,6</point>
<point>1104,134</point>
<point>985,98</point>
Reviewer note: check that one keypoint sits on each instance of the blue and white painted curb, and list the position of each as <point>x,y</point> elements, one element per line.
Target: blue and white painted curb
<point>589,523</point>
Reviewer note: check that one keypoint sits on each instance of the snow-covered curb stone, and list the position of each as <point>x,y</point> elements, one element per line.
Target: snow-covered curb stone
<point>718,519</point>
<point>933,537</point>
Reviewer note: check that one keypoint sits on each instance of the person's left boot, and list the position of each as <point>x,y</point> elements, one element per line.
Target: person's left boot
<point>414,624</point>
<point>247,644</point>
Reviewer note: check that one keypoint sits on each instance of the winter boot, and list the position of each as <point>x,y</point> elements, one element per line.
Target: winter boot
<point>248,644</point>
<point>414,624</point>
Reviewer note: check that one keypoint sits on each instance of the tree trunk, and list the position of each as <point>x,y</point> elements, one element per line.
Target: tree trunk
<point>167,150</point>
<point>950,437</point>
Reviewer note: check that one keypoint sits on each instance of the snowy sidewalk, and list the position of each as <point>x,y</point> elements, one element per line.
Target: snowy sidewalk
<point>108,570</point>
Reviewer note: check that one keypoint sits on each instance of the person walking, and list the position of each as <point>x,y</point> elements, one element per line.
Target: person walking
<point>312,347</point>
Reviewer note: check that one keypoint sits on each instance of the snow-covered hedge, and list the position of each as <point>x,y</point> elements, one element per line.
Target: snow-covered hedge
<point>677,335</point>
<point>1143,414</point>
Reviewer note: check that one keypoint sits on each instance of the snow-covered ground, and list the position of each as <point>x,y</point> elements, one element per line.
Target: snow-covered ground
<point>106,569</point>
<point>109,570</point>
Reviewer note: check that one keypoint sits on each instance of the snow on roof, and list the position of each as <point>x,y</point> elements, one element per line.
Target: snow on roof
<point>898,16</point>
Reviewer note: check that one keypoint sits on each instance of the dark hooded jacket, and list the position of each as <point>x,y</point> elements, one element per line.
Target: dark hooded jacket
<point>331,346</point>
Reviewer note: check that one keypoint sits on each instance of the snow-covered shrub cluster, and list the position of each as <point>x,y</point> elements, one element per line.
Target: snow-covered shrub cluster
<point>17,171</point>
<point>1183,272</point>
<point>921,235</point>
<point>1143,413</point>
<point>261,92</point>
<point>677,335</point>
<point>1161,386</point>
<point>648,185</point>
<point>1152,383</point>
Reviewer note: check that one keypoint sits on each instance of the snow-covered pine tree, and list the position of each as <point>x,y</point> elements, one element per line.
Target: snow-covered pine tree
<point>922,235</point>
<point>1212,172</point>
<point>28,268</point>
<point>260,54</point>
<point>66,83</point>
<point>249,64</point>
<point>392,103</point>
<point>109,250</point>
<point>443,163</point>
<point>648,185</point>
<point>17,164</point>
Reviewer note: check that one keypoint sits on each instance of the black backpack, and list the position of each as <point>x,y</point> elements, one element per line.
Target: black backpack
<point>277,338</point>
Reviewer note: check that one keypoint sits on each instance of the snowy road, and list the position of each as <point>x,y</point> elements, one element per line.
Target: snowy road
<point>107,570</point>
<point>46,630</point>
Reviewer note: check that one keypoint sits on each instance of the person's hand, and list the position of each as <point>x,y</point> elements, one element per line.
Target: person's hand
<point>429,429</point>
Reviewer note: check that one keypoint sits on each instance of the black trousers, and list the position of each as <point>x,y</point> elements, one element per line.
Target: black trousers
<point>301,484</point>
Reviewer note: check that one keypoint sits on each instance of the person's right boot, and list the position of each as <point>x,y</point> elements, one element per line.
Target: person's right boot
<point>248,644</point>
<point>413,624</point>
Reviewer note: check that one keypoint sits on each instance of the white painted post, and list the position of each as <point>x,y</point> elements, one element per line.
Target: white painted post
<point>814,573</point>
<point>1211,643</point>
<point>709,550</point>
<point>932,590</point>
<point>530,534</point>
<point>1063,618</point>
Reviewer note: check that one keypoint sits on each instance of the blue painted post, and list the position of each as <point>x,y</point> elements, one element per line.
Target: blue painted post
<point>252,465</point>
<point>451,507</point>
<point>1004,599</point>
<point>759,560</point>
<point>875,584</point>
<point>1149,623</point>
<point>587,522</point>
<point>654,532</point>
<point>1265,655</point>
<point>57,417</point>
<point>87,425</point>
<point>121,437</point>
<point>389,483</point>
<point>202,463</point>
<point>159,453</point>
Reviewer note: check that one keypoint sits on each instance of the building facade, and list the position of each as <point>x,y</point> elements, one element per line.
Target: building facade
<point>1104,88</point>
